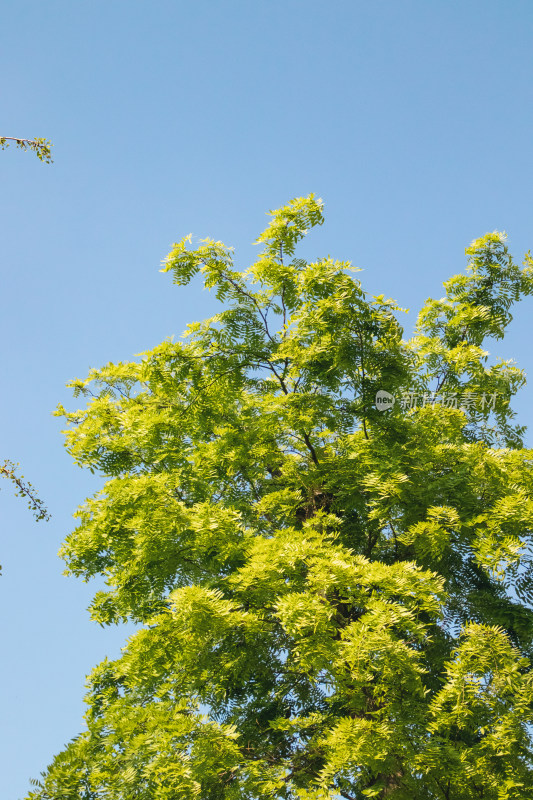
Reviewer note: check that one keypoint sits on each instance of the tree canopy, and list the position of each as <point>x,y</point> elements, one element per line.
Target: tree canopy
<point>335,595</point>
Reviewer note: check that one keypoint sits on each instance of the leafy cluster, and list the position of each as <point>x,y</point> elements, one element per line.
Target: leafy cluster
<point>8,470</point>
<point>24,489</point>
<point>335,601</point>
<point>41,147</point>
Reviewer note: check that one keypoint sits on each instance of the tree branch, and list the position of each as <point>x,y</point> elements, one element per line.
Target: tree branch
<point>42,147</point>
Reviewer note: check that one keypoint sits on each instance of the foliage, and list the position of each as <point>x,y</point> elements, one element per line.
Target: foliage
<point>41,147</point>
<point>24,489</point>
<point>335,600</point>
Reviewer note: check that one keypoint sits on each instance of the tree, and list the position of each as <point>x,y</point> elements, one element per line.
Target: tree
<point>335,598</point>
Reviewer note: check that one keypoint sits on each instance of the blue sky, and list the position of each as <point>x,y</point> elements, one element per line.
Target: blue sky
<point>411,119</point>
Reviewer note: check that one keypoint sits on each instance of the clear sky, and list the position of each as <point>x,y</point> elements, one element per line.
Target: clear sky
<point>413,119</point>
